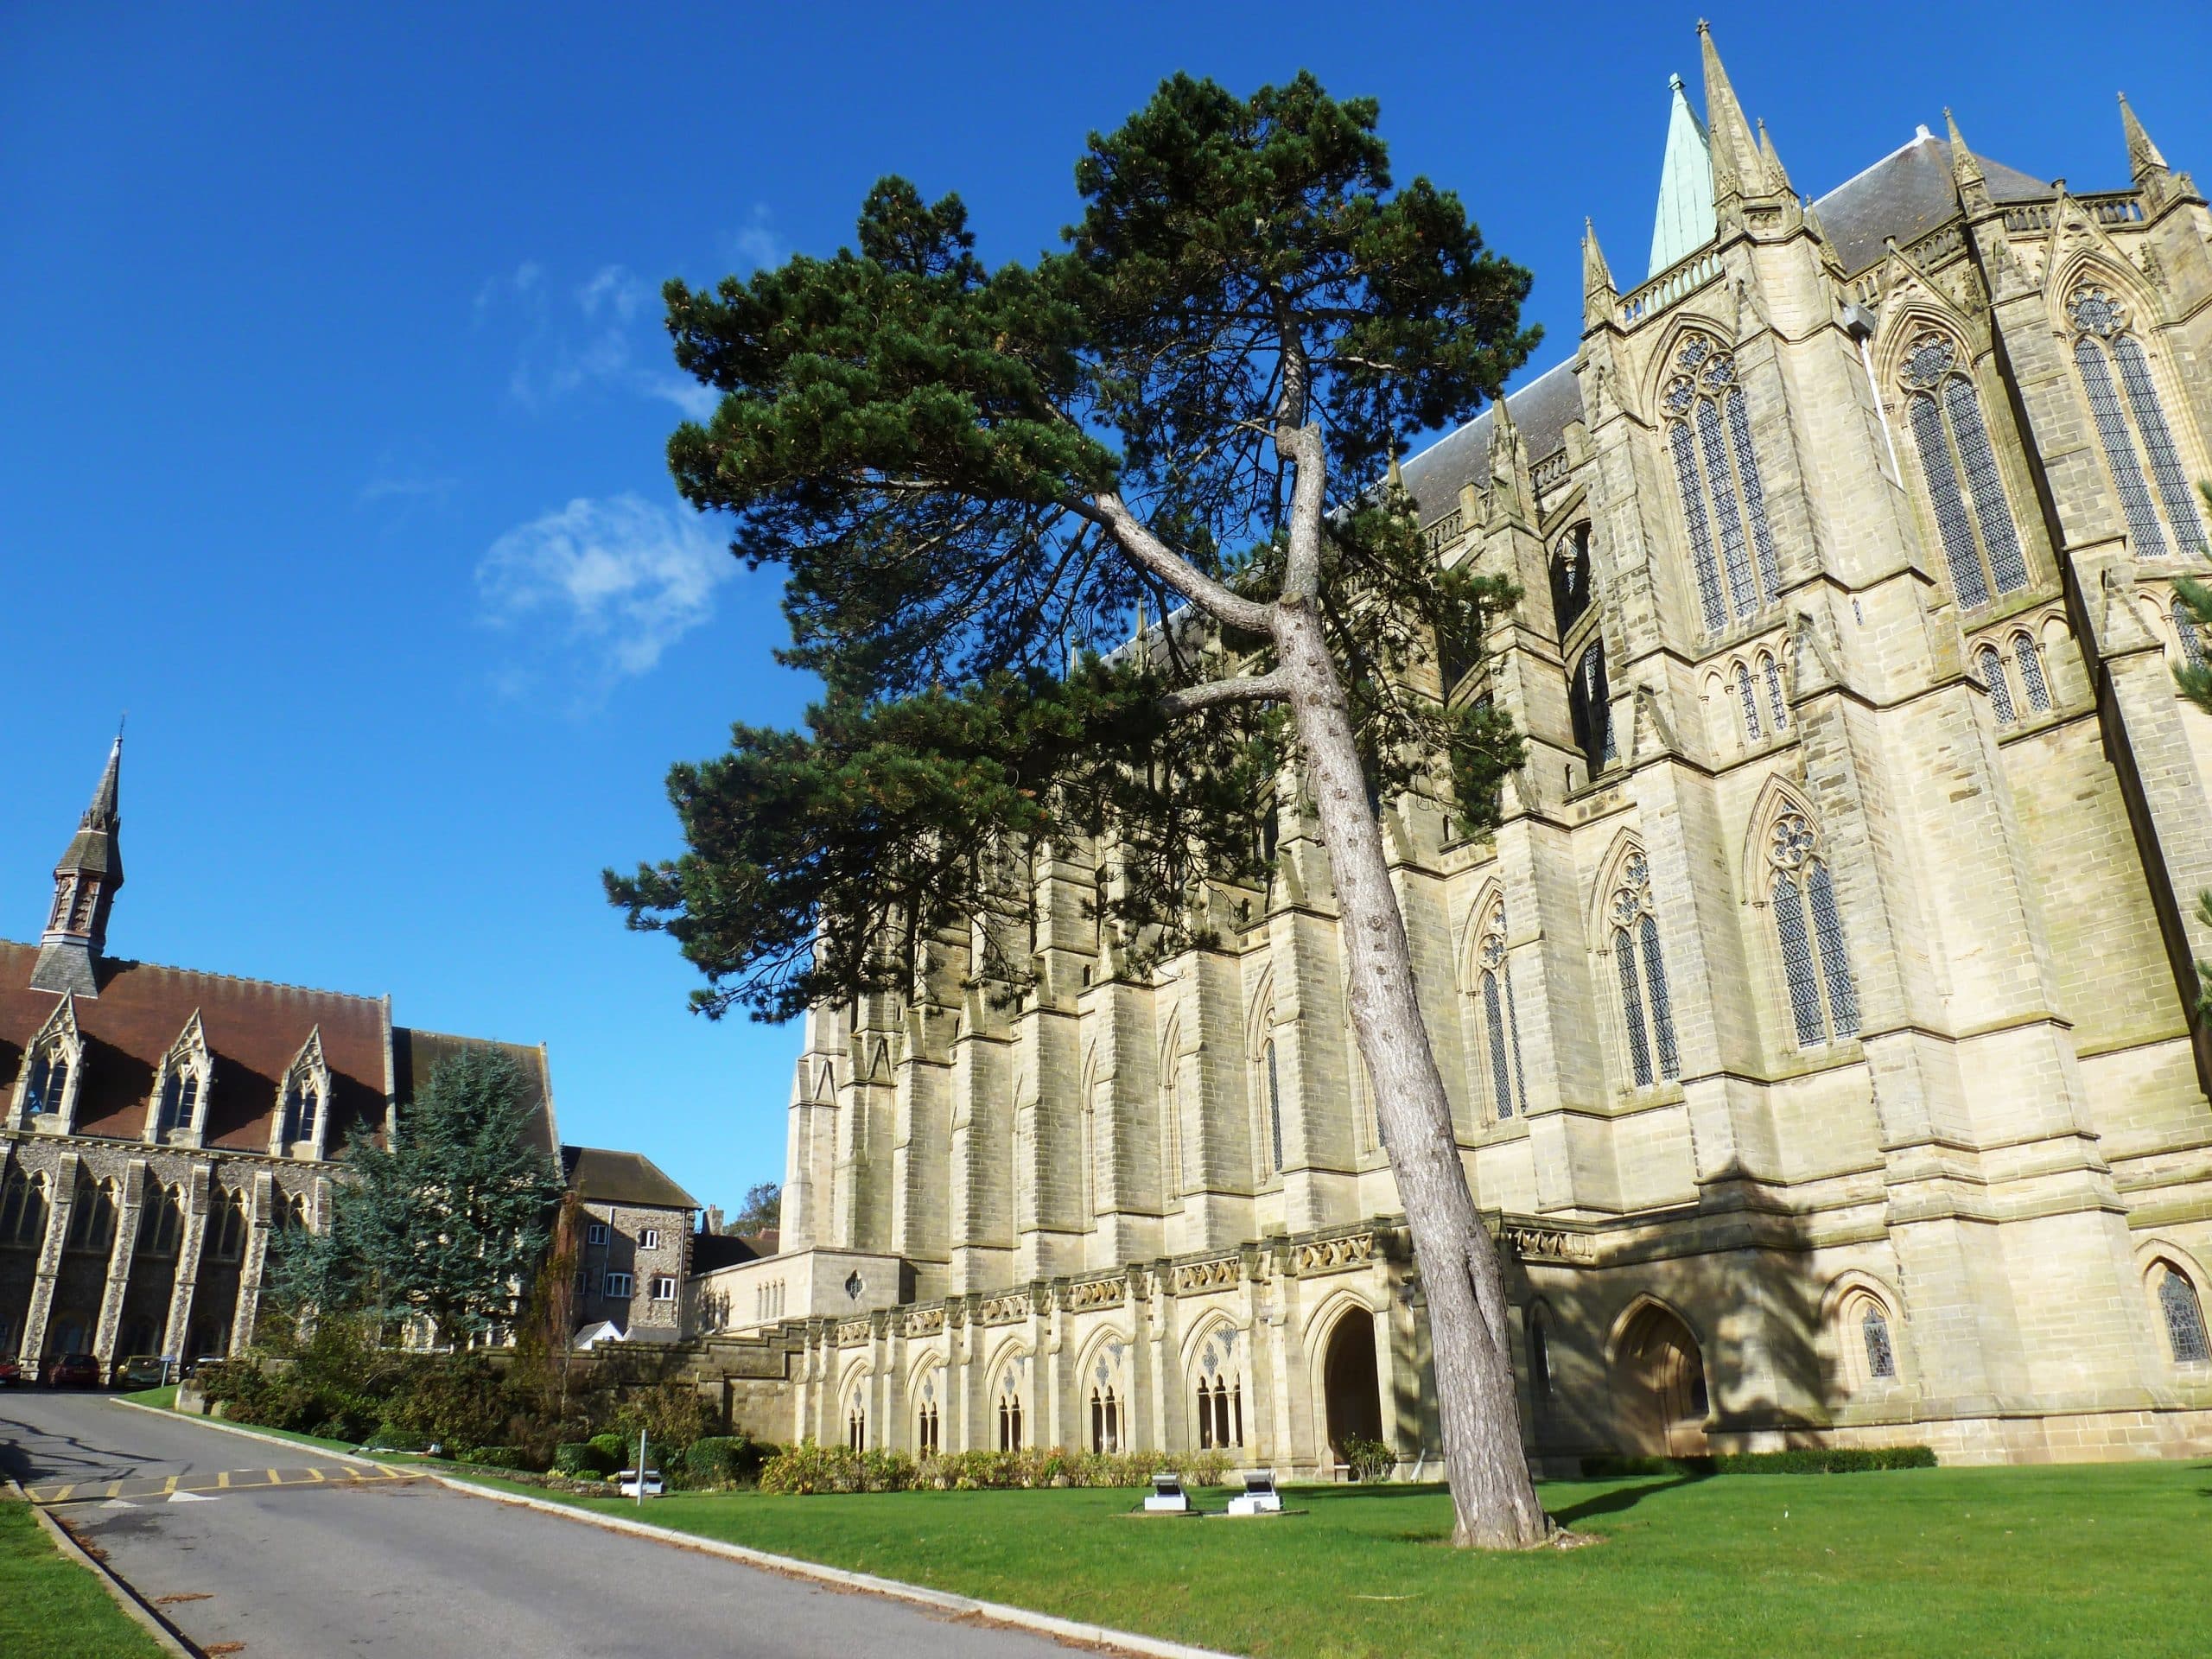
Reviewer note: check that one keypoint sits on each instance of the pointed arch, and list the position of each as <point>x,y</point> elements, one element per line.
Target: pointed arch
<point>1630,935</point>
<point>51,1076</point>
<point>1488,983</point>
<point>182,1082</point>
<point>1216,1381</point>
<point>1704,418</point>
<point>1935,369</point>
<point>303,1103</point>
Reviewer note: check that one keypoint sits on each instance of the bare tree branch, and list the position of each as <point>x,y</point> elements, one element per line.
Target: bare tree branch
<point>1170,568</point>
<point>1243,688</point>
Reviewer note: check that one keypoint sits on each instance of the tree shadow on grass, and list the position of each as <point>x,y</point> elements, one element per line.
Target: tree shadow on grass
<point>1625,1497</point>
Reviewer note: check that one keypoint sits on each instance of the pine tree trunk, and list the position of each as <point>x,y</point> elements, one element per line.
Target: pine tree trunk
<point>1494,1499</point>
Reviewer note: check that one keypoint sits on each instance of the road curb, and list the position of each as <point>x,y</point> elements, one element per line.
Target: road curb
<point>1063,1629</point>
<point>256,1434</point>
<point>119,1593</point>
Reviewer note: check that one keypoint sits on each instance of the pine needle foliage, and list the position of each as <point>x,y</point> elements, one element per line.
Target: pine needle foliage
<point>945,460</point>
<point>448,1225</point>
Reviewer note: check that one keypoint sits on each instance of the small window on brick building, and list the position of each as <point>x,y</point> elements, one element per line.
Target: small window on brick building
<point>650,1239</point>
<point>618,1284</point>
<point>664,1288</point>
<point>596,1233</point>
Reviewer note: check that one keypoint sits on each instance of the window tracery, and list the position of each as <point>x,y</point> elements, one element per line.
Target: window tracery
<point>1747,700</point>
<point>926,1424</point>
<point>1590,708</point>
<point>1724,496</point>
<point>1010,1409</point>
<point>2186,631</point>
<point>1981,546</point>
<point>1874,1330</point>
<point>22,1208</point>
<point>53,1074</point>
<point>1647,1006</point>
<point>2125,413</point>
<point>1777,704</point>
<point>91,1217</point>
<point>1815,964</point>
<point>1273,1084</point>
<point>1992,663</point>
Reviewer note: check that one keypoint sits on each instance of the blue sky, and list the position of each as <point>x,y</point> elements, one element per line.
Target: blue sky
<point>331,441</point>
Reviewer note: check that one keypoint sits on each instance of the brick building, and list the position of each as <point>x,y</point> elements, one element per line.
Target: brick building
<point>161,1123</point>
<point>1820,1019</point>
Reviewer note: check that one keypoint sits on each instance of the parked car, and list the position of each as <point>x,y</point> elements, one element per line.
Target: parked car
<point>74,1371</point>
<point>141,1371</point>
<point>625,1481</point>
<point>11,1374</point>
<point>195,1367</point>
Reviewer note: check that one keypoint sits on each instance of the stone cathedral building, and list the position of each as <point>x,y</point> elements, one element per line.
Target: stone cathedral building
<point>159,1125</point>
<point>1819,1021</point>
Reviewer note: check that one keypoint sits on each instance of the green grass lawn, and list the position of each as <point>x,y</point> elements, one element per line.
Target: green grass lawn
<point>51,1608</point>
<point>163,1398</point>
<point>2108,1558</point>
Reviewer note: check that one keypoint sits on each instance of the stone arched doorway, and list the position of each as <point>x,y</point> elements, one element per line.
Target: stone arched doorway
<point>1351,1397</point>
<point>1659,1386</point>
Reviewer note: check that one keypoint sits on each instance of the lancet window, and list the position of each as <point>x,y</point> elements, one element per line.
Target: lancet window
<point>302,1100</point>
<point>1105,1420</point>
<point>1823,997</point>
<point>52,1075</point>
<point>1777,704</point>
<point>161,1223</point>
<point>1271,1086</point>
<point>1590,708</point>
<point>1500,1018</point>
<point>1982,546</point>
<point>1009,1415</point>
<point>857,1425</point>
<point>1647,1006</point>
<point>1724,497</point>
<point>1992,663</point>
<point>1571,579</point>
<point>182,1084</point>
<point>2029,662</point>
<point>2132,426</point>
<point>92,1218</point>
<point>226,1229</point>
<point>1874,1330</point>
<point>2185,1317</point>
<point>1221,1412</point>
<point>926,1441</point>
<point>1747,699</point>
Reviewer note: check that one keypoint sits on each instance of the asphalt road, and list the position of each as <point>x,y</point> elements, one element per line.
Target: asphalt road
<point>318,1561</point>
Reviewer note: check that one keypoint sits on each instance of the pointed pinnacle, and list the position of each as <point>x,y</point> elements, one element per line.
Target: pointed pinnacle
<point>1964,168</point>
<point>1777,176</point>
<point>1596,275</point>
<point>101,813</point>
<point>1394,475</point>
<point>1735,149</point>
<point>2143,156</point>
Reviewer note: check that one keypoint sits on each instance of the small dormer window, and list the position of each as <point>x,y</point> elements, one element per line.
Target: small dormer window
<point>301,1103</point>
<point>302,1115</point>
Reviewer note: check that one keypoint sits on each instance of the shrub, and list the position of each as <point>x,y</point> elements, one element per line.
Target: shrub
<point>1797,1460</point>
<point>390,1437</point>
<point>582,1458</point>
<point>611,1447</point>
<point>721,1460</point>
<point>808,1468</point>
<point>500,1457</point>
<point>1370,1459</point>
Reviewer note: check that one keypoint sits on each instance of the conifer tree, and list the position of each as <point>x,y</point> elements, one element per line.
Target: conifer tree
<point>974,477</point>
<point>448,1225</point>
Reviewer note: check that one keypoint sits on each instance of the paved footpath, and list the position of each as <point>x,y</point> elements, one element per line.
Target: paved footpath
<point>297,1555</point>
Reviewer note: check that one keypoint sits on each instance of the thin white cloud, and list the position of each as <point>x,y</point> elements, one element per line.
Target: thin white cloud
<point>756,243</point>
<point>601,587</point>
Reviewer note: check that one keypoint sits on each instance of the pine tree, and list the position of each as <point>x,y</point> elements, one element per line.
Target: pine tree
<point>449,1225</point>
<point>971,477</point>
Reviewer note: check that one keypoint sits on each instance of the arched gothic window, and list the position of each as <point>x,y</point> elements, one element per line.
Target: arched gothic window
<point>1540,1360</point>
<point>1980,545</point>
<point>1823,998</point>
<point>1221,1412</point>
<point>2185,1317</point>
<point>92,1219</point>
<point>2186,631</point>
<point>1009,1412</point>
<point>1647,1009</point>
<point>1571,579</point>
<point>2031,665</point>
<point>1590,709</point>
<point>300,1101</point>
<point>49,1081</point>
<point>925,1431</point>
<point>1992,663</point>
<point>1501,1019</point>
<point>1777,705</point>
<point>856,1424</point>
<point>161,1223</point>
<point>1724,499</point>
<point>2104,341</point>
<point>1748,700</point>
<point>22,1208</point>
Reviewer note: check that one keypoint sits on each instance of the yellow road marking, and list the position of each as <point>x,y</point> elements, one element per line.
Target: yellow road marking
<point>316,1474</point>
<point>116,1491</point>
<point>61,1495</point>
<point>223,1479</point>
<point>169,1485</point>
<point>275,1479</point>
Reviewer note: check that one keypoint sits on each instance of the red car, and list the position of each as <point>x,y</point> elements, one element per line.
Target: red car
<point>74,1371</point>
<point>12,1374</point>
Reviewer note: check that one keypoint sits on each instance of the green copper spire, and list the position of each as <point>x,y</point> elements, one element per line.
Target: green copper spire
<point>1685,222</point>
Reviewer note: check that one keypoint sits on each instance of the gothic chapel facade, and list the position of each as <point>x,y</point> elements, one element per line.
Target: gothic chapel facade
<point>1819,1021</point>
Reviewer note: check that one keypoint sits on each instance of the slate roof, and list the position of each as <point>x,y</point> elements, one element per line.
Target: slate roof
<point>712,1250</point>
<point>255,1029</point>
<point>1541,409</point>
<point>603,1177</point>
<point>1906,194</point>
<point>417,1054</point>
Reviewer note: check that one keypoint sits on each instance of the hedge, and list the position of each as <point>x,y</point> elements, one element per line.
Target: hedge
<point>724,1458</point>
<point>582,1458</point>
<point>807,1468</point>
<point>1798,1461</point>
